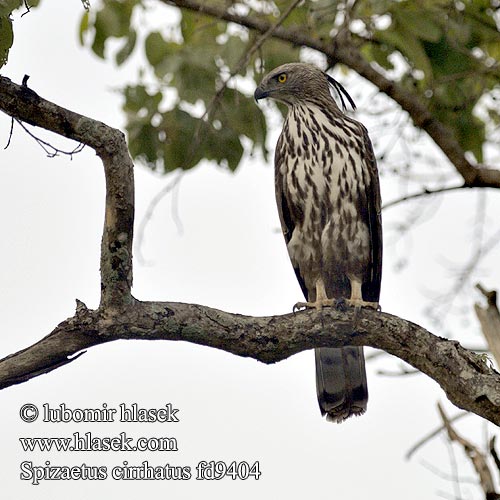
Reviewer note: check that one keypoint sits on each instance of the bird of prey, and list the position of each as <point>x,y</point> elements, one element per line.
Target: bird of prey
<point>328,196</point>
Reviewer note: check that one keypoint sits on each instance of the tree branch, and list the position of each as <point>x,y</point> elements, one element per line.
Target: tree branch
<point>465,377</point>
<point>432,435</point>
<point>22,103</point>
<point>477,458</point>
<point>343,50</point>
<point>467,380</point>
<point>425,192</point>
<point>493,452</point>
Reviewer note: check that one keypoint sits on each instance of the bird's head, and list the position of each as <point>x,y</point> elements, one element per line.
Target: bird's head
<point>298,82</point>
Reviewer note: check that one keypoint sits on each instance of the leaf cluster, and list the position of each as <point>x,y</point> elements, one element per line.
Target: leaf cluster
<point>193,99</point>
<point>448,52</point>
<point>451,55</point>
<point>185,107</point>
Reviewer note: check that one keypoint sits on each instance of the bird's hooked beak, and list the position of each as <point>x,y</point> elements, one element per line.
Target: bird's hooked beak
<point>260,93</point>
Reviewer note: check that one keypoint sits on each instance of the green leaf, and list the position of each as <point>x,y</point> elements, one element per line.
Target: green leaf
<point>240,114</point>
<point>377,53</point>
<point>457,114</point>
<point>156,48</point>
<point>7,6</point>
<point>299,16</point>
<point>196,75</point>
<point>229,149</point>
<point>409,46</point>
<point>6,39</point>
<point>232,52</point>
<point>198,29</point>
<point>113,20</point>
<point>84,26</point>
<point>124,53</point>
<point>144,144</point>
<point>421,23</point>
<point>446,60</point>
<point>275,53</point>
<point>108,22</point>
<point>438,37</point>
<point>165,57</point>
<point>188,140</point>
<point>139,100</point>
<point>181,148</point>
<point>470,133</point>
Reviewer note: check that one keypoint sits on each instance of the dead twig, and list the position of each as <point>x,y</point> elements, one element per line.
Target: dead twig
<point>477,458</point>
<point>424,192</point>
<point>432,435</point>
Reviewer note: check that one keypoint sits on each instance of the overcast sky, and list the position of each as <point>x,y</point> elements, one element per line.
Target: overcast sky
<point>227,255</point>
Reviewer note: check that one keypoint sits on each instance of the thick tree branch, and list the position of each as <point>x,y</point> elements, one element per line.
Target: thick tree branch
<point>342,49</point>
<point>467,380</point>
<point>24,104</point>
<point>464,376</point>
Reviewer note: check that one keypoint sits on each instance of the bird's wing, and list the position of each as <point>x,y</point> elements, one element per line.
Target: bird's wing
<point>288,216</point>
<point>372,212</point>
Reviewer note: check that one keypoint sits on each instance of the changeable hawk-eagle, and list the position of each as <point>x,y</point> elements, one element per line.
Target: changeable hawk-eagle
<point>328,197</point>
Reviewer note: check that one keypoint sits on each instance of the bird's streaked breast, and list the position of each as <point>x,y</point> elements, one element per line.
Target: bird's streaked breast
<point>320,159</point>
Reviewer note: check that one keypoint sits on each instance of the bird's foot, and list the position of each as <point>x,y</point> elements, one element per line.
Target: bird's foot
<point>358,303</point>
<point>341,304</point>
<point>318,305</point>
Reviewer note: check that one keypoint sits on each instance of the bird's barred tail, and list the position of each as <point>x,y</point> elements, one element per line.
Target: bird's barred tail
<point>341,382</point>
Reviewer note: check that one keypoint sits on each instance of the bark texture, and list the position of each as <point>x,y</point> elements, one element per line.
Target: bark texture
<point>465,377</point>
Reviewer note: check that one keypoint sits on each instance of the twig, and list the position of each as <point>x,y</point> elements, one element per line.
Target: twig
<point>403,372</point>
<point>491,295</point>
<point>477,458</point>
<point>50,150</point>
<point>10,133</point>
<point>210,110</point>
<point>432,435</point>
<point>446,475</point>
<point>466,379</point>
<point>454,469</point>
<point>444,301</point>
<point>342,49</point>
<point>425,192</point>
<point>28,8</point>
<point>374,355</point>
<point>447,496</point>
<point>149,214</point>
<point>243,61</point>
<point>494,453</point>
<point>25,105</point>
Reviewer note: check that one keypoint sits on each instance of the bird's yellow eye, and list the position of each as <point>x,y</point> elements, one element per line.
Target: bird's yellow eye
<point>282,78</point>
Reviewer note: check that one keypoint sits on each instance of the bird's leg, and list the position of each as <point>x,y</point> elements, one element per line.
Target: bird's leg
<point>321,299</point>
<point>356,299</point>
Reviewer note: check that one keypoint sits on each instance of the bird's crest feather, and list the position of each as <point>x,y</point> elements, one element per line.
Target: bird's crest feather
<point>341,92</point>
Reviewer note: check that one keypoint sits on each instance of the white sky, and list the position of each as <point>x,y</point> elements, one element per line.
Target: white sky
<point>228,256</point>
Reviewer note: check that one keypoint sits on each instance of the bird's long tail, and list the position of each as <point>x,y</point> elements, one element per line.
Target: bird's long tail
<point>341,382</point>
